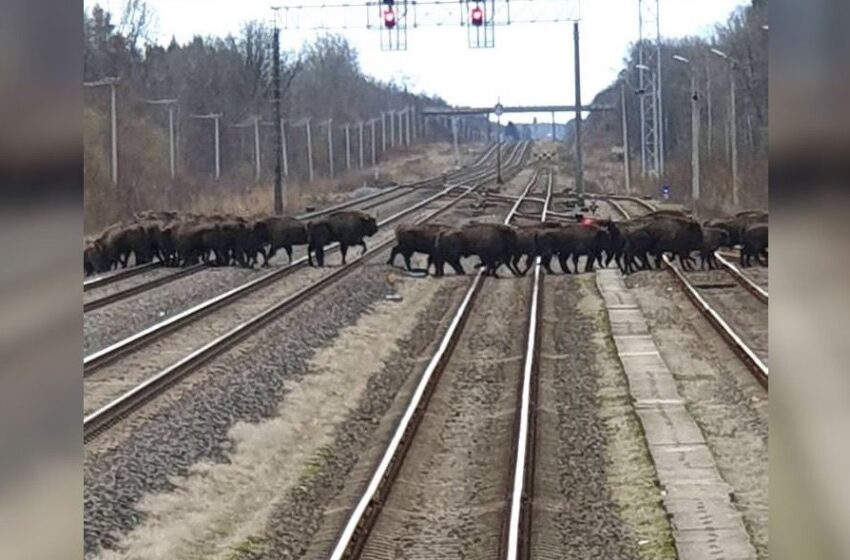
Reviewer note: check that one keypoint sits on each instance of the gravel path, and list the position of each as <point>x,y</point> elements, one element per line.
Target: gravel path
<point>595,493</point>
<point>729,406</point>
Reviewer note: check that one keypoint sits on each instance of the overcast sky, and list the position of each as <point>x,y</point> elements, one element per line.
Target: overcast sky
<point>531,64</point>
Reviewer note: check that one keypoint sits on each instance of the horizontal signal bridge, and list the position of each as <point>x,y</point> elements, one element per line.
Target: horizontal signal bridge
<point>461,111</point>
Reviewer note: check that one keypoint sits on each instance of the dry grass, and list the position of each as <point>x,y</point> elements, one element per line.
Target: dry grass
<point>604,174</point>
<point>105,204</point>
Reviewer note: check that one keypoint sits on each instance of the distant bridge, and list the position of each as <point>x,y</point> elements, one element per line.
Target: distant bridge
<point>466,111</point>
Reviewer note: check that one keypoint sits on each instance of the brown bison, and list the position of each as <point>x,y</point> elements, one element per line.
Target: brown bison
<point>738,223</point>
<point>283,232</point>
<point>494,244</point>
<point>713,238</point>
<point>754,244</point>
<point>412,239</point>
<point>574,240</point>
<point>348,228</point>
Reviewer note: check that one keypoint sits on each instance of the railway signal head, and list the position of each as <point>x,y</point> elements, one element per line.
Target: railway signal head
<point>389,17</point>
<point>476,16</point>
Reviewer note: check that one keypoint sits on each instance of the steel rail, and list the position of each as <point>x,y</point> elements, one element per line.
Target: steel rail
<point>123,274</point>
<point>395,192</point>
<point>103,301</point>
<point>756,366</point>
<point>751,360</point>
<point>102,357</point>
<point>103,418</point>
<point>362,520</point>
<point>744,280</point>
<point>517,538</point>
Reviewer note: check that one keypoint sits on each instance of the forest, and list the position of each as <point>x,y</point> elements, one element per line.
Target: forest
<point>230,76</point>
<point>744,39</point>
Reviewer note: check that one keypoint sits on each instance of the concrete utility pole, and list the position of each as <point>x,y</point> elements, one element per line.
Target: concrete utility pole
<point>732,138</point>
<point>215,117</point>
<point>626,170</point>
<point>392,129</point>
<point>360,142</point>
<point>280,143</point>
<point>257,166</point>
<point>330,148</point>
<point>579,162</point>
<point>374,158</point>
<point>454,142</point>
<point>694,128</point>
<point>383,132</point>
<point>347,146</point>
<point>113,120</point>
<point>710,131</point>
<point>171,104</point>
<point>498,110</point>
<point>283,151</point>
<point>309,150</point>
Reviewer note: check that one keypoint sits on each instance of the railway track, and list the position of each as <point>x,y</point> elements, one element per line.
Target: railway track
<point>704,296</point>
<point>99,418</point>
<point>407,496</point>
<point>364,203</point>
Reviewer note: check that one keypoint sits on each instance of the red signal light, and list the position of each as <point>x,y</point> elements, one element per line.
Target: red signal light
<point>477,16</point>
<point>587,222</point>
<point>389,18</point>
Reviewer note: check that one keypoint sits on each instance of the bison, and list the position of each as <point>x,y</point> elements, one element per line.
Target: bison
<point>754,244</point>
<point>494,244</point>
<point>414,239</point>
<point>712,239</point>
<point>283,232</point>
<point>573,240</point>
<point>348,228</point>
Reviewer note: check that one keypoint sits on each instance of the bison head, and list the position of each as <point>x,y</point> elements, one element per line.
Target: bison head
<point>370,226</point>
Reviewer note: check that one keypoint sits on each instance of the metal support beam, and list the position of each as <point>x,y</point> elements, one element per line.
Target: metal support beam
<point>579,162</point>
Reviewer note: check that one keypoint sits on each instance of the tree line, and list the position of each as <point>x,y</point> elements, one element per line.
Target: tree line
<point>743,37</point>
<point>228,75</point>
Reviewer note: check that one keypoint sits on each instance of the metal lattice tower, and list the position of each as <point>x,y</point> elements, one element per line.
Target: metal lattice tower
<point>649,76</point>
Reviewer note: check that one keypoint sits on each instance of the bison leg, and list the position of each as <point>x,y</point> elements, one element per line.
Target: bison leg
<point>343,249</point>
<point>407,263</point>
<point>363,244</point>
<point>562,259</point>
<point>393,253</point>
<point>546,261</point>
<point>458,268</point>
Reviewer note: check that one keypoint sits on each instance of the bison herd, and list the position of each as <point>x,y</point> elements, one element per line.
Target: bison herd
<point>633,244</point>
<point>188,239</point>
